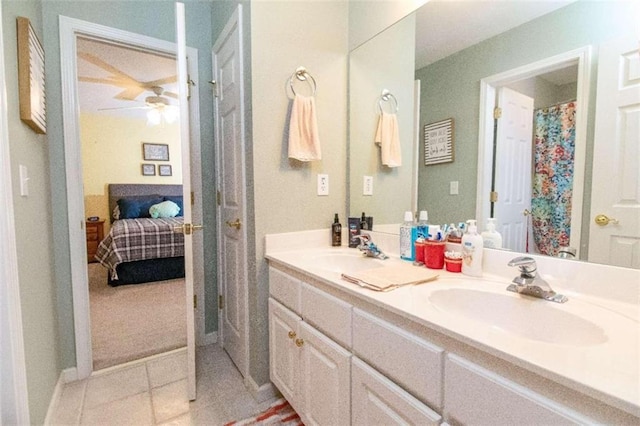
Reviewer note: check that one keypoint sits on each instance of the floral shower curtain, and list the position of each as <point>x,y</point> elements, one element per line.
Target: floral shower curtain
<point>554,147</point>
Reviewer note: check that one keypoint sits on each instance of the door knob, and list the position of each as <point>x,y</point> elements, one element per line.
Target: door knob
<point>604,220</point>
<point>187,228</point>
<point>235,224</point>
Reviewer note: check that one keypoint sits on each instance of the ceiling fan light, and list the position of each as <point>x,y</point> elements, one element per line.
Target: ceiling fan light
<point>170,114</point>
<point>153,117</point>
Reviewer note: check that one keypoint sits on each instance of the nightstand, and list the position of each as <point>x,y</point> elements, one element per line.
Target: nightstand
<point>95,234</point>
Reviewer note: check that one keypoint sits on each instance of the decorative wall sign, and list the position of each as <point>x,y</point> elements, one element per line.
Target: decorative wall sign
<point>155,152</point>
<point>148,169</point>
<point>438,142</point>
<point>164,170</point>
<point>31,77</point>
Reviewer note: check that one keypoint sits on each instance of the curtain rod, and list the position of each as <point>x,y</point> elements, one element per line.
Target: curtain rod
<point>558,103</point>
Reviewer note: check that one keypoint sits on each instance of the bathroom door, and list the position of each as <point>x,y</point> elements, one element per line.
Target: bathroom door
<point>232,217</point>
<point>513,168</point>
<point>616,188</point>
<point>183,102</point>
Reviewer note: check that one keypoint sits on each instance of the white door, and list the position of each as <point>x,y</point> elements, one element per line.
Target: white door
<point>232,258</point>
<point>186,192</point>
<point>616,156</point>
<point>513,168</point>
<point>284,355</point>
<point>325,372</point>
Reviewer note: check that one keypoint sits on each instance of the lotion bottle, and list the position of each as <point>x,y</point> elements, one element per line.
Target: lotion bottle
<point>490,237</point>
<point>408,236</point>
<point>472,251</point>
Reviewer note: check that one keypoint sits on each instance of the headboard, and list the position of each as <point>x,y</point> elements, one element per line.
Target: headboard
<point>119,190</point>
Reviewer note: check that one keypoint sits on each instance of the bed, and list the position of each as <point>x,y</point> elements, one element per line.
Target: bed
<point>140,248</point>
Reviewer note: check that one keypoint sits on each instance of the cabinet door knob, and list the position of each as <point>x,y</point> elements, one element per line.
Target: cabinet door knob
<point>292,334</point>
<point>299,342</point>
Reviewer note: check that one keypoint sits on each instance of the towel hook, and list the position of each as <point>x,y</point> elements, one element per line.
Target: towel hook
<point>302,74</point>
<point>387,96</point>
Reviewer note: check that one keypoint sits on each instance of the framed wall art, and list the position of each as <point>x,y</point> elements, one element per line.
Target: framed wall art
<point>155,151</point>
<point>31,77</point>
<point>148,169</point>
<point>164,170</point>
<point>438,142</point>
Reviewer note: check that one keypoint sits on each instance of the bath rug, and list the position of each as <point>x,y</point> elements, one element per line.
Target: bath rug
<point>278,413</point>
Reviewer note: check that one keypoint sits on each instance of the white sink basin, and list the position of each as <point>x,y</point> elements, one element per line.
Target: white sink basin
<point>522,316</point>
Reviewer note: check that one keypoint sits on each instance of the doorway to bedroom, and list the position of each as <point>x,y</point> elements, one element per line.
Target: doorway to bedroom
<point>129,134</point>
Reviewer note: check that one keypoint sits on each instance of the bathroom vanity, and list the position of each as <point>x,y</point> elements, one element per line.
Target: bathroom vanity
<point>456,350</point>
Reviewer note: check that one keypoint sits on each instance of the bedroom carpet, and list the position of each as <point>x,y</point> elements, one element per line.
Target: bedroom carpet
<point>134,321</point>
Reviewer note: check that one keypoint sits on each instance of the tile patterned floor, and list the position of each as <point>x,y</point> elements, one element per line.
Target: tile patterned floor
<point>153,392</point>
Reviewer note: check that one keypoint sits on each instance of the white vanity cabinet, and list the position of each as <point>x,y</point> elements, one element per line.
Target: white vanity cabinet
<point>312,371</point>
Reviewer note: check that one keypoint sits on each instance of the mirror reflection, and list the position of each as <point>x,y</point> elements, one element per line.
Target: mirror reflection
<point>546,52</point>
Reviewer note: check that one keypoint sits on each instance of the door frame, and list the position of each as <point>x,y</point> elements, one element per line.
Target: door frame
<point>70,28</point>
<point>234,20</point>
<point>14,402</point>
<point>488,88</point>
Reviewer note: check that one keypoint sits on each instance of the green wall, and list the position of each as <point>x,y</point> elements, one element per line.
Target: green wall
<point>451,88</point>
<point>33,227</point>
<point>151,18</point>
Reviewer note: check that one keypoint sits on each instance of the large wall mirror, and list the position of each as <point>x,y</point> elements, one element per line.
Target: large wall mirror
<point>549,52</point>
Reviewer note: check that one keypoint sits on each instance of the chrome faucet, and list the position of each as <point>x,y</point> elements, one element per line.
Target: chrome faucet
<point>530,283</point>
<point>368,248</point>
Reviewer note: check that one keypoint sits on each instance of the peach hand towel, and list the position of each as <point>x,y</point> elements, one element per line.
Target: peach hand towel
<point>388,137</point>
<point>304,143</point>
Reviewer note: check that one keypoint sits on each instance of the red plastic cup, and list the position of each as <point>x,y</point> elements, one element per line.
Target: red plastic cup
<point>434,254</point>
<point>453,265</point>
<point>420,251</point>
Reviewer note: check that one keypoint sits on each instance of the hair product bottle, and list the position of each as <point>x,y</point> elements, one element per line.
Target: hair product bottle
<point>336,232</point>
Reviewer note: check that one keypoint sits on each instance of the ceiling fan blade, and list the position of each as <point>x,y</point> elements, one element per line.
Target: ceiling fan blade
<point>170,95</point>
<point>135,107</point>
<point>96,80</point>
<point>161,81</point>
<point>130,93</point>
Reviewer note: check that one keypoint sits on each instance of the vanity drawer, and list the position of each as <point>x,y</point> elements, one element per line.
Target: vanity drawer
<point>377,400</point>
<point>475,395</point>
<point>285,289</point>
<point>409,360</point>
<point>327,313</point>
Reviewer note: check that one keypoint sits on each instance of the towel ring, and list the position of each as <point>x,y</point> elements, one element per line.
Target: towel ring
<point>302,74</point>
<point>387,96</point>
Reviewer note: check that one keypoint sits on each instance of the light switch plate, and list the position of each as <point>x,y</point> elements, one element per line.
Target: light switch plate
<point>367,186</point>
<point>323,184</point>
<point>453,187</point>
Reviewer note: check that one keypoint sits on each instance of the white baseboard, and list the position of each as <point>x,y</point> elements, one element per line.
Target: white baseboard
<point>55,398</point>
<point>69,375</point>
<point>208,339</point>
<point>261,393</point>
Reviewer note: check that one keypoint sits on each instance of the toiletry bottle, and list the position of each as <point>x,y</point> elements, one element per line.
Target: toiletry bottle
<point>490,237</point>
<point>472,251</point>
<point>354,231</point>
<point>336,232</point>
<point>363,222</point>
<point>423,224</point>
<point>408,236</point>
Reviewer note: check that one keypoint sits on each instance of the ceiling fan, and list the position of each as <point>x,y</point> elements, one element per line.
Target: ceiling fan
<point>158,104</point>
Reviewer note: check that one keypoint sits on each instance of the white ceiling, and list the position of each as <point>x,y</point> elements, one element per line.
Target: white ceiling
<point>108,62</point>
<point>444,27</point>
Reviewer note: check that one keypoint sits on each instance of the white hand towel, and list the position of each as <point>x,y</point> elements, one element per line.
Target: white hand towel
<point>304,143</point>
<point>388,137</point>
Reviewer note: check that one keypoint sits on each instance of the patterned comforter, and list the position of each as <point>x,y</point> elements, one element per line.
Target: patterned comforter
<point>140,239</point>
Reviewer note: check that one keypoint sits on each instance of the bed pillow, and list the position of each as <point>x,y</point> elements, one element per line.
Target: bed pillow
<point>137,206</point>
<point>176,199</point>
<point>164,209</point>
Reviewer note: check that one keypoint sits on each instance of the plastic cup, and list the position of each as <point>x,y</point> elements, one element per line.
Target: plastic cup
<point>434,254</point>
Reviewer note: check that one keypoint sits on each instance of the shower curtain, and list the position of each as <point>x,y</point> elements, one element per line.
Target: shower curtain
<point>554,146</point>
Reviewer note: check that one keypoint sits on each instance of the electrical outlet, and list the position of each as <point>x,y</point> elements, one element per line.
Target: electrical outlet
<point>367,187</point>
<point>323,184</point>
<point>453,187</point>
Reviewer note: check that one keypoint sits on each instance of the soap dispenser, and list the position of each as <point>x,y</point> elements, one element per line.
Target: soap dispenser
<point>472,250</point>
<point>490,237</point>
<point>408,236</point>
